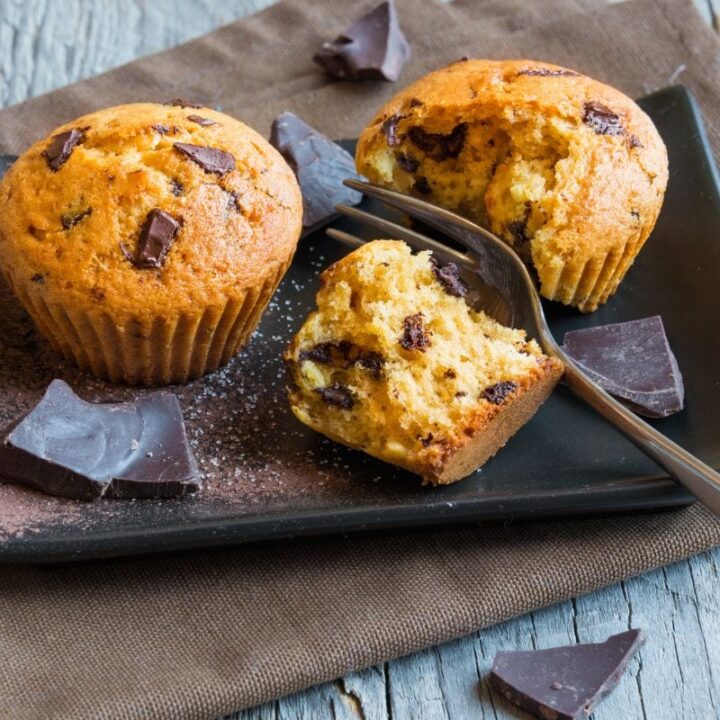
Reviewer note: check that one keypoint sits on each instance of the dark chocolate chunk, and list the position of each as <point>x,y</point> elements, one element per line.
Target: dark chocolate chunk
<point>450,374</point>
<point>61,147</point>
<point>602,119</point>
<point>565,683</point>
<point>200,120</point>
<point>68,447</point>
<point>518,231</point>
<point>425,441</point>
<point>156,237</point>
<point>210,159</point>
<point>71,219</point>
<point>415,336</point>
<point>343,354</point>
<point>321,353</point>
<point>448,277</point>
<point>337,394</point>
<point>389,130</point>
<point>414,102</point>
<point>422,185</point>
<point>38,278</point>
<point>371,361</point>
<point>407,163</point>
<point>548,72</point>
<point>372,48</point>
<point>183,103</point>
<point>634,141</point>
<point>176,187</point>
<point>437,146</point>
<point>319,164</point>
<point>497,393</point>
<point>233,201</point>
<point>633,362</point>
<point>161,128</point>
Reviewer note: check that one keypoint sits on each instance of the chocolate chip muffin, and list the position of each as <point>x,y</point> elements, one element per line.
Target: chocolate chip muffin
<point>394,362</point>
<point>145,240</point>
<point>570,172</point>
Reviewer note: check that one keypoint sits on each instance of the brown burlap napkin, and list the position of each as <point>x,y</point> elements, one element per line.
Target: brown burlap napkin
<point>201,634</point>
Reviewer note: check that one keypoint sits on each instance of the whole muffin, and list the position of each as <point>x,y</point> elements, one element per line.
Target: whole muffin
<point>570,172</point>
<point>394,362</point>
<point>145,240</point>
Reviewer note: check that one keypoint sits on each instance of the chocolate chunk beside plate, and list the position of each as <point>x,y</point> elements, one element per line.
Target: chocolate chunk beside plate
<point>565,683</point>
<point>633,362</point>
<point>320,166</point>
<point>372,48</point>
<point>68,447</point>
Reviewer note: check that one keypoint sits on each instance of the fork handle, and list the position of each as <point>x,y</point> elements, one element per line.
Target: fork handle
<point>700,479</point>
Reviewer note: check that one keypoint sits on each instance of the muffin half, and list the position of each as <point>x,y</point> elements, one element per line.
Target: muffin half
<point>395,363</point>
<point>145,240</point>
<point>570,172</point>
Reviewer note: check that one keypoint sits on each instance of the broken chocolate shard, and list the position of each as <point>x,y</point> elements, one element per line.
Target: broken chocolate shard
<point>321,353</point>
<point>71,448</point>
<point>372,48</point>
<point>156,237</point>
<point>633,362</point>
<point>407,163</point>
<point>415,336</point>
<point>518,232</point>
<point>71,219</point>
<point>602,119</point>
<point>61,147</point>
<point>161,128</point>
<point>565,683</point>
<point>437,146</point>
<point>336,394</point>
<point>320,166</point>
<point>448,276</point>
<point>389,130</point>
<point>497,393</point>
<point>200,120</point>
<point>210,159</point>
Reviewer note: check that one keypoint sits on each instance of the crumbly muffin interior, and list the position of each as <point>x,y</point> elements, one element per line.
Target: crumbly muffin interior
<point>394,361</point>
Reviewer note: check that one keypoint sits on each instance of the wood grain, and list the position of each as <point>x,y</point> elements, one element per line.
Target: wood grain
<point>49,43</point>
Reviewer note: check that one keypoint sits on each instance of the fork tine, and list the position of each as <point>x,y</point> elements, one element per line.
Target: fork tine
<point>414,239</point>
<point>352,241</point>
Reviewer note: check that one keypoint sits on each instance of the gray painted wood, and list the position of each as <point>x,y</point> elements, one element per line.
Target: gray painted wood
<point>48,43</point>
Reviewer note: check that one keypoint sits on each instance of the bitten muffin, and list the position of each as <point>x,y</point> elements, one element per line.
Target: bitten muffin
<point>568,171</point>
<point>145,240</point>
<point>395,363</point>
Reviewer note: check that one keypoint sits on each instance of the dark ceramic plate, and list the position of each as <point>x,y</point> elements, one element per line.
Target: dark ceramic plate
<point>269,477</point>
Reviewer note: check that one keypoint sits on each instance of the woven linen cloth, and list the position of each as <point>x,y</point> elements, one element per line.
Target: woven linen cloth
<point>200,634</point>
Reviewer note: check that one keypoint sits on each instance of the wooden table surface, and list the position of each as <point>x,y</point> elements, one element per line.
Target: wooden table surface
<point>49,43</point>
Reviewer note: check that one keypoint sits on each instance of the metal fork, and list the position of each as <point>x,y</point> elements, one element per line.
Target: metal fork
<point>500,268</point>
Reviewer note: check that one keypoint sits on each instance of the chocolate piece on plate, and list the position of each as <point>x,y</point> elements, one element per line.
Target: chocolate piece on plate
<point>71,448</point>
<point>210,159</point>
<point>372,48</point>
<point>633,362</point>
<point>319,164</point>
<point>565,683</point>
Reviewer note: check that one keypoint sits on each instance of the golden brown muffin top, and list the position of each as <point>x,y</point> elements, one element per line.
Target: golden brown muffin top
<point>73,209</point>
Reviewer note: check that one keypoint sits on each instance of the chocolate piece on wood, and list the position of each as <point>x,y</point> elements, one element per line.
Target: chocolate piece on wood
<point>71,448</point>
<point>372,48</point>
<point>633,362</point>
<point>319,164</point>
<point>564,683</point>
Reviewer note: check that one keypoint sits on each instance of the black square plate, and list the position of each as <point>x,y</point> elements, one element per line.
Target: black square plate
<point>269,477</point>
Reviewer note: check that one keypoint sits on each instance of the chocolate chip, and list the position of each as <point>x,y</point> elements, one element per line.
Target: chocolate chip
<point>176,187</point>
<point>70,220</point>
<point>233,201</point>
<point>422,185</point>
<point>183,103</point>
<point>389,129</point>
<point>156,237</point>
<point>548,72</point>
<point>205,122</point>
<point>321,353</point>
<point>450,374</point>
<point>460,394</point>
<point>337,394</point>
<point>437,146</point>
<point>602,119</point>
<point>635,214</point>
<point>518,231</point>
<point>97,294</point>
<point>449,278</point>
<point>497,393</point>
<point>372,48</point>
<point>415,336</point>
<point>161,128</point>
<point>38,278</point>
<point>61,147</point>
<point>425,441</point>
<point>464,58</point>
<point>414,102</point>
<point>407,163</point>
<point>634,141</point>
<point>211,160</point>
<point>371,361</point>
